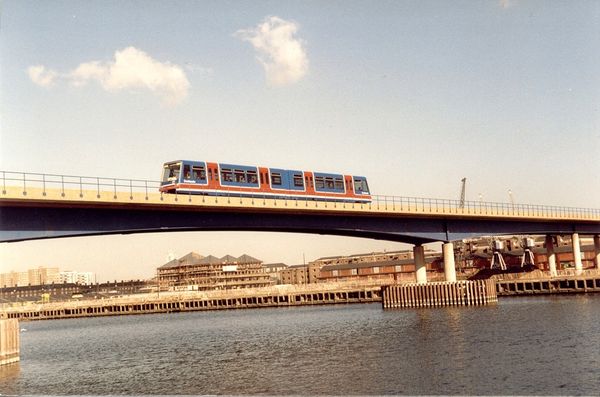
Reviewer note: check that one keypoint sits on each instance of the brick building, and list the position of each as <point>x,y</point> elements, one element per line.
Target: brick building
<point>394,265</point>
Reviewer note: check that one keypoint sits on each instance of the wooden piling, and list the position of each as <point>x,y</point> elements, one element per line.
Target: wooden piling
<point>9,341</point>
<point>438,294</point>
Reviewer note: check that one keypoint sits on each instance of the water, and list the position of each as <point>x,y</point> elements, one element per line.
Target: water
<point>525,346</point>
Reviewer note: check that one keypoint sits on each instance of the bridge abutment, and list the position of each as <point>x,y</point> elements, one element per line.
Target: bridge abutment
<point>449,265</point>
<point>420,267</point>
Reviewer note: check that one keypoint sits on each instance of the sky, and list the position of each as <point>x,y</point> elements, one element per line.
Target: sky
<point>414,95</point>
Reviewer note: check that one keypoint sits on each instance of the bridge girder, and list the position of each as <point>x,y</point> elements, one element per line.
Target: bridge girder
<point>19,223</point>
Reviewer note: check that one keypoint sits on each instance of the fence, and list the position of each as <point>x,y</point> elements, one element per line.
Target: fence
<point>87,184</point>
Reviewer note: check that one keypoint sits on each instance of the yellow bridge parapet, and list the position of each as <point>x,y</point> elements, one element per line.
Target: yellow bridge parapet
<point>13,195</point>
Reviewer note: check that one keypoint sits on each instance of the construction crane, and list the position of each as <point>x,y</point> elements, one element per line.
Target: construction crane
<point>461,204</point>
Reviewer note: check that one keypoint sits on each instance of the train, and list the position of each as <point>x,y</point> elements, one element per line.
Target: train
<point>220,179</point>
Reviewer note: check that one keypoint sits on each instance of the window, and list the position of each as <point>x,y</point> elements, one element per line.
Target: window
<point>252,177</point>
<point>198,172</point>
<point>276,178</point>
<point>319,182</point>
<point>354,272</point>
<point>376,269</point>
<point>398,268</point>
<point>298,182</point>
<point>334,273</point>
<point>329,182</point>
<point>240,176</point>
<point>171,172</point>
<point>339,184</point>
<point>360,185</point>
<point>226,175</point>
<point>186,172</point>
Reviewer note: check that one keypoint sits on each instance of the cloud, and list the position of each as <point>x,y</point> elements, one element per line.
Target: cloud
<point>506,3</point>
<point>282,54</point>
<point>42,77</point>
<point>130,69</point>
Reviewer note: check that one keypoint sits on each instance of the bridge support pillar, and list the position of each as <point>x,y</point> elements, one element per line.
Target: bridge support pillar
<point>597,250</point>
<point>577,253</point>
<point>420,268</point>
<point>551,255</point>
<point>449,266</point>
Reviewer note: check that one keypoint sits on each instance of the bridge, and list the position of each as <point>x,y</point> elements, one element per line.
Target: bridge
<point>37,206</point>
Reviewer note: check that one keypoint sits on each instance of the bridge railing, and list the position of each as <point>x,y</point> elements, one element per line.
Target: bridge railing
<point>81,183</point>
<point>433,205</point>
<point>99,185</point>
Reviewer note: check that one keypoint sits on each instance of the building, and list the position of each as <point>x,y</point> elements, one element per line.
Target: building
<point>70,276</point>
<point>296,274</point>
<point>196,272</point>
<point>274,271</point>
<point>37,276</point>
<point>392,266</point>
<point>392,270</point>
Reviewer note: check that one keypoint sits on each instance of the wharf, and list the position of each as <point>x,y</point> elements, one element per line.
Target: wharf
<point>539,283</point>
<point>169,302</point>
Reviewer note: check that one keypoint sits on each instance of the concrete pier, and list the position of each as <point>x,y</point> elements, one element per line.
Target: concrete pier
<point>449,266</point>
<point>577,253</point>
<point>597,250</point>
<point>420,266</point>
<point>438,294</point>
<point>551,255</point>
<point>9,341</point>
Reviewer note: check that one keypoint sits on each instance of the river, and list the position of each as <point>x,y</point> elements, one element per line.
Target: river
<point>524,346</point>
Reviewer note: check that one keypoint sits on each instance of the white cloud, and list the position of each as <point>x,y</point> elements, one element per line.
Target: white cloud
<point>506,3</point>
<point>130,69</point>
<point>42,77</point>
<point>282,55</point>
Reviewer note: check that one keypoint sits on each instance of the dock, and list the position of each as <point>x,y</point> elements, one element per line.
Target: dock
<point>171,302</point>
<point>543,284</point>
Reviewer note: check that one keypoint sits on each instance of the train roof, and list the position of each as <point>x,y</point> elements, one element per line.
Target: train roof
<point>243,165</point>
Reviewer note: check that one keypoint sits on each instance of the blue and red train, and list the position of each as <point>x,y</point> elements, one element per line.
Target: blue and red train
<point>219,179</point>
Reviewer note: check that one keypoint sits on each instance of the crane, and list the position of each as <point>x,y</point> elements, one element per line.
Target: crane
<point>461,204</point>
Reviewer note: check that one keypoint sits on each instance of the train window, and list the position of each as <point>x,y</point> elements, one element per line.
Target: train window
<point>360,185</point>
<point>186,171</point>
<point>171,172</point>
<point>319,182</point>
<point>339,184</point>
<point>198,172</point>
<point>210,174</point>
<point>252,177</point>
<point>275,178</point>
<point>329,182</point>
<point>226,175</point>
<point>298,182</point>
<point>240,176</point>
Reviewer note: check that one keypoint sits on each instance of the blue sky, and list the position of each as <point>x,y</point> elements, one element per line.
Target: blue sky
<point>414,95</point>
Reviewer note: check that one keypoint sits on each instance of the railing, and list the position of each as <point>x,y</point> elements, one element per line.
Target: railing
<point>392,203</point>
